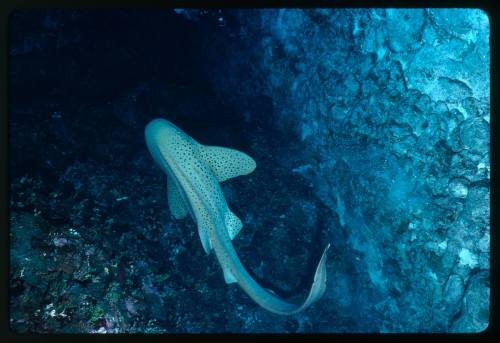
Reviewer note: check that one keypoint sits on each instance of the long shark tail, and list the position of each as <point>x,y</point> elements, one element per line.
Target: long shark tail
<point>319,283</point>
<point>276,305</point>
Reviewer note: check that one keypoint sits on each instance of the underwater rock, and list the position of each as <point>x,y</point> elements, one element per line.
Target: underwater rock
<point>474,134</point>
<point>477,205</point>
<point>424,103</point>
<point>475,312</point>
<point>404,28</point>
<point>458,187</point>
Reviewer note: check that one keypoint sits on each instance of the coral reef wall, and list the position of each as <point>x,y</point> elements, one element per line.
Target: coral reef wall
<point>390,111</point>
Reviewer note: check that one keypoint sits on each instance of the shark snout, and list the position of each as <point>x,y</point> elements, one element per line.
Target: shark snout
<point>161,130</point>
<point>156,126</point>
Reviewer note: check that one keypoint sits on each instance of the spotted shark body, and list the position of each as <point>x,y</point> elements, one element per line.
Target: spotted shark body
<point>194,172</point>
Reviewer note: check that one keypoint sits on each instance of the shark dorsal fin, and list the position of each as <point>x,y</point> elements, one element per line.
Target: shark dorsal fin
<point>226,163</point>
<point>175,201</point>
<point>233,224</point>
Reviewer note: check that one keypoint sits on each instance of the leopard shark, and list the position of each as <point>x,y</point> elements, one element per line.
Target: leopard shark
<point>194,173</point>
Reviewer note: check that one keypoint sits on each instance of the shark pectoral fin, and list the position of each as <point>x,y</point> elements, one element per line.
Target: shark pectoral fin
<point>175,201</point>
<point>228,276</point>
<point>233,224</point>
<point>205,238</point>
<point>226,163</point>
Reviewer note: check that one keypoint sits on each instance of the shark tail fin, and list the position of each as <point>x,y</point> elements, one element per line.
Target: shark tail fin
<point>319,283</point>
<point>274,304</point>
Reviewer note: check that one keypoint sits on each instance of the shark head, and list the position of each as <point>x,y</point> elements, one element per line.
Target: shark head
<point>194,172</point>
<point>167,143</point>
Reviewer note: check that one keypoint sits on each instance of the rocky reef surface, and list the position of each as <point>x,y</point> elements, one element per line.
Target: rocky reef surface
<point>370,129</point>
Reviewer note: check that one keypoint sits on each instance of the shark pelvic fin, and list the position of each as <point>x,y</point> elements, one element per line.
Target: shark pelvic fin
<point>175,201</point>
<point>233,224</point>
<point>228,276</point>
<point>226,163</point>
